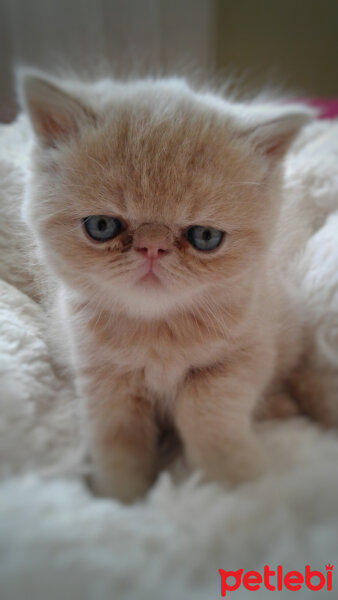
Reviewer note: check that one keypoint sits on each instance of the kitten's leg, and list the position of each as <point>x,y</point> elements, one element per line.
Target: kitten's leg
<point>122,436</point>
<point>213,416</point>
<point>316,391</point>
<point>278,405</point>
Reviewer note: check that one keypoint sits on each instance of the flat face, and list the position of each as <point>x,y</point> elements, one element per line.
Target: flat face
<point>155,206</point>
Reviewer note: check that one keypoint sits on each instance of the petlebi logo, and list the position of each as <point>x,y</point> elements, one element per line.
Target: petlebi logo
<point>277,579</point>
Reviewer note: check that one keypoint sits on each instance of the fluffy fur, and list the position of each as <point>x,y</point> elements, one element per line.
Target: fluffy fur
<point>198,346</point>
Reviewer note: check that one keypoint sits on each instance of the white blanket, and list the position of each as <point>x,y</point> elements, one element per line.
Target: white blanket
<point>58,542</point>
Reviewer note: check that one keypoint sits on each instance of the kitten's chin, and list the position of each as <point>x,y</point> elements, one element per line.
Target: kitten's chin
<point>150,299</point>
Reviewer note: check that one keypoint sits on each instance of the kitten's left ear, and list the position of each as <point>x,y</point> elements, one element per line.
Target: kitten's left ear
<point>55,114</point>
<point>271,134</point>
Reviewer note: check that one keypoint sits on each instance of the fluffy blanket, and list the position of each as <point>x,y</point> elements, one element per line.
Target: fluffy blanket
<point>58,541</point>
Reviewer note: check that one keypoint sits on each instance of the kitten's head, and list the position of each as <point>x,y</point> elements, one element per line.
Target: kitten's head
<point>150,196</point>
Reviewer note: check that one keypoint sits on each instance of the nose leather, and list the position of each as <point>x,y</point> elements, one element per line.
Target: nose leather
<point>153,236</point>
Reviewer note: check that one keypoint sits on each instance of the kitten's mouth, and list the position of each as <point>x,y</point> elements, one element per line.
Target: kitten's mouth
<point>150,278</point>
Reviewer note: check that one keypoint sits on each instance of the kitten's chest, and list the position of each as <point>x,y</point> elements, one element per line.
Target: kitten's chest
<point>161,356</point>
<point>165,363</point>
<point>163,373</point>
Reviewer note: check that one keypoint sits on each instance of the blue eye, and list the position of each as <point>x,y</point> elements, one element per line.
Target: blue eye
<point>204,238</point>
<point>101,228</point>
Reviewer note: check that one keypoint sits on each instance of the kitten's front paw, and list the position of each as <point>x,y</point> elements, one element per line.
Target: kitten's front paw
<point>243,468</point>
<point>125,486</point>
<point>234,467</point>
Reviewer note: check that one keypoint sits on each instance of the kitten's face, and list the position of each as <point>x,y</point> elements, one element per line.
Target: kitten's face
<point>186,206</point>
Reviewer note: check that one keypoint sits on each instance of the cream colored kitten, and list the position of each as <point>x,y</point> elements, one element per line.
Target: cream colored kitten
<point>154,209</point>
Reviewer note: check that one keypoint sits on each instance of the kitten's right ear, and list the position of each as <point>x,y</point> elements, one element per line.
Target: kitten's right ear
<point>55,115</point>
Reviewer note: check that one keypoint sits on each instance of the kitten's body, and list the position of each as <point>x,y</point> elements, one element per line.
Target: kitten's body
<point>199,342</point>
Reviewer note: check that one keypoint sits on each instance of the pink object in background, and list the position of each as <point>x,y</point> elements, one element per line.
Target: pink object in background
<point>328,107</point>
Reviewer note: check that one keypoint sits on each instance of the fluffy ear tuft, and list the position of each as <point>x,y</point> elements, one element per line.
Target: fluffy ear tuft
<point>55,115</point>
<point>273,134</point>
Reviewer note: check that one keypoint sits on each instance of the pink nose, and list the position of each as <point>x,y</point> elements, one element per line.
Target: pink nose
<point>153,240</point>
<point>152,250</point>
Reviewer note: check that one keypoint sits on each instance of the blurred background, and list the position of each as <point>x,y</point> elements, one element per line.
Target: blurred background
<point>289,43</point>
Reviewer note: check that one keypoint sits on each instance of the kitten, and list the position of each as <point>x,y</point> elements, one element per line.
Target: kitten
<point>154,209</point>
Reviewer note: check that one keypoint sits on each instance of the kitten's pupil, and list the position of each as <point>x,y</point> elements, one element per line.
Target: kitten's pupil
<point>206,235</point>
<point>102,225</point>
